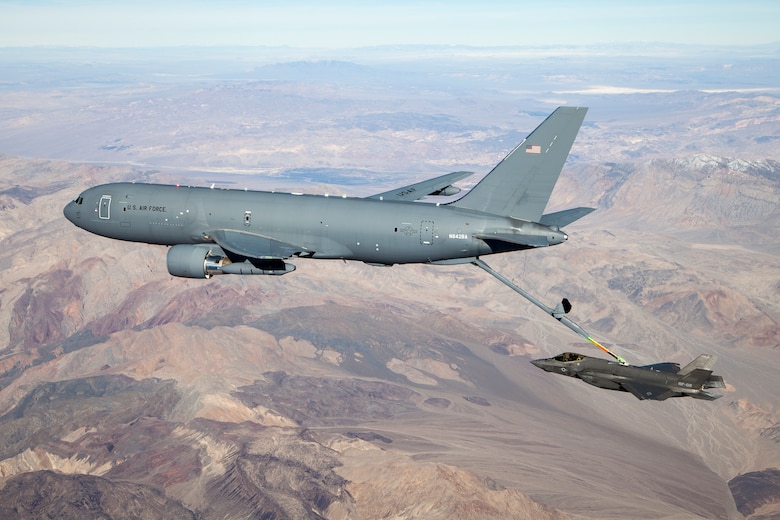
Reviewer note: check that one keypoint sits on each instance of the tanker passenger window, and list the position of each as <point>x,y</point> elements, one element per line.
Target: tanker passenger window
<point>104,210</point>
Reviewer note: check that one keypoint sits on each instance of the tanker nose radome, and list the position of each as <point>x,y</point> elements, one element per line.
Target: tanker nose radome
<point>70,211</point>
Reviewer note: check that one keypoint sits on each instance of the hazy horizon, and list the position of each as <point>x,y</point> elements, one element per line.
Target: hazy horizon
<point>349,24</point>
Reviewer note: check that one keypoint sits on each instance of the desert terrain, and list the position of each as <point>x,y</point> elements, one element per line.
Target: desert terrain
<point>348,391</point>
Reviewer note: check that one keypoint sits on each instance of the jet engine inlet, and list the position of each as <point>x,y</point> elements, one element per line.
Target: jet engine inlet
<point>195,261</point>
<point>205,260</point>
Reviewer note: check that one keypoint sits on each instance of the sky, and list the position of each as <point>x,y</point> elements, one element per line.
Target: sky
<point>351,23</point>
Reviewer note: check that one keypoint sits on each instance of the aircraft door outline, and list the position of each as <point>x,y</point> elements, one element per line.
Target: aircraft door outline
<point>104,207</point>
<point>426,232</point>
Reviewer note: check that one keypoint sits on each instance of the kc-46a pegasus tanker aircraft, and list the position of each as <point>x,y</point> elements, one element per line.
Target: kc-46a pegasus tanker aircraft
<point>219,231</point>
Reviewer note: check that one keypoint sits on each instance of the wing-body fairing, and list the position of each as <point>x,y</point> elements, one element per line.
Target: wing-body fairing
<point>251,245</point>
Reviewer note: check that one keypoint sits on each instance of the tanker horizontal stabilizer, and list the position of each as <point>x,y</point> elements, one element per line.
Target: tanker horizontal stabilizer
<point>563,218</point>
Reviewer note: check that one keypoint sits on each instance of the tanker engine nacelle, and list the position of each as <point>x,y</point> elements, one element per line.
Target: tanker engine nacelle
<point>206,260</point>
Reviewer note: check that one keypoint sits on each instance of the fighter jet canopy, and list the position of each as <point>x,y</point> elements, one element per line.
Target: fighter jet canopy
<point>569,356</point>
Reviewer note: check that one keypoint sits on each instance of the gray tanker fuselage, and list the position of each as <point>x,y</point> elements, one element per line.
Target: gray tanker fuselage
<point>325,227</point>
<point>219,231</point>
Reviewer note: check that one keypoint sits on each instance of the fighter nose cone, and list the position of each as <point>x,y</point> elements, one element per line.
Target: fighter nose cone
<point>546,365</point>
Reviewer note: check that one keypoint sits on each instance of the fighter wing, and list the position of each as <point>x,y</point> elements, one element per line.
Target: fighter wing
<point>251,245</point>
<point>436,186</point>
<point>643,391</point>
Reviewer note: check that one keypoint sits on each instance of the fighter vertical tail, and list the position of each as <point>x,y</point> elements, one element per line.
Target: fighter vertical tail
<point>703,362</point>
<point>520,185</point>
<point>698,375</point>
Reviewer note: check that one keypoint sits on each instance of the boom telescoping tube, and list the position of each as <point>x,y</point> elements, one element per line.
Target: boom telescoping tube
<point>557,313</point>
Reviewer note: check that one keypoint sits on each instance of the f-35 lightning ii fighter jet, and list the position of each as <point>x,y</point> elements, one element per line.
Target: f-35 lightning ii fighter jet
<point>657,382</point>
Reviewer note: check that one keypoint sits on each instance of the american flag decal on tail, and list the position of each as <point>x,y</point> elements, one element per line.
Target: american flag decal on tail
<point>533,148</point>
